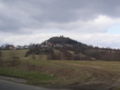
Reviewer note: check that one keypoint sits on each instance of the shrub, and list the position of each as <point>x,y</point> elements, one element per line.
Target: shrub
<point>15,61</point>
<point>1,61</point>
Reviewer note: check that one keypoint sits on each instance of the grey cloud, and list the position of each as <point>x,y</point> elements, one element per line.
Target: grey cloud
<point>15,15</point>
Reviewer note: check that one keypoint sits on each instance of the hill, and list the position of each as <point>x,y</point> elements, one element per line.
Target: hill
<point>64,48</point>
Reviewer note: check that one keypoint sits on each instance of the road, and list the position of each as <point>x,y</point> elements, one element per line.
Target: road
<point>8,85</point>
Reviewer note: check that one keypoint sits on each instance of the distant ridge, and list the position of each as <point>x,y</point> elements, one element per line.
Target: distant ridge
<point>64,48</point>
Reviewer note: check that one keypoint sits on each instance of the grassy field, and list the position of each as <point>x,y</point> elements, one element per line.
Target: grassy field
<point>85,75</point>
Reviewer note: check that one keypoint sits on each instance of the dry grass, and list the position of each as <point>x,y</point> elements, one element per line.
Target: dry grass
<point>68,73</point>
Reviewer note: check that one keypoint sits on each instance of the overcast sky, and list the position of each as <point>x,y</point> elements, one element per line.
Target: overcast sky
<point>94,22</point>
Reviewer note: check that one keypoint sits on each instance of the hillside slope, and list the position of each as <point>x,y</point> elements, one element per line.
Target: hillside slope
<point>64,48</point>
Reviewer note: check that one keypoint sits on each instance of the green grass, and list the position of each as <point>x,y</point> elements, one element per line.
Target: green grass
<point>31,76</point>
<point>60,73</point>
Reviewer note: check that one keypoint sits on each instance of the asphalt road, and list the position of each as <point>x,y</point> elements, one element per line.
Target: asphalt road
<point>8,85</point>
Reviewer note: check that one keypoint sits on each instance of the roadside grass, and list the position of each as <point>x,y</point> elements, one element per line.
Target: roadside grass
<point>32,77</point>
<point>39,71</point>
